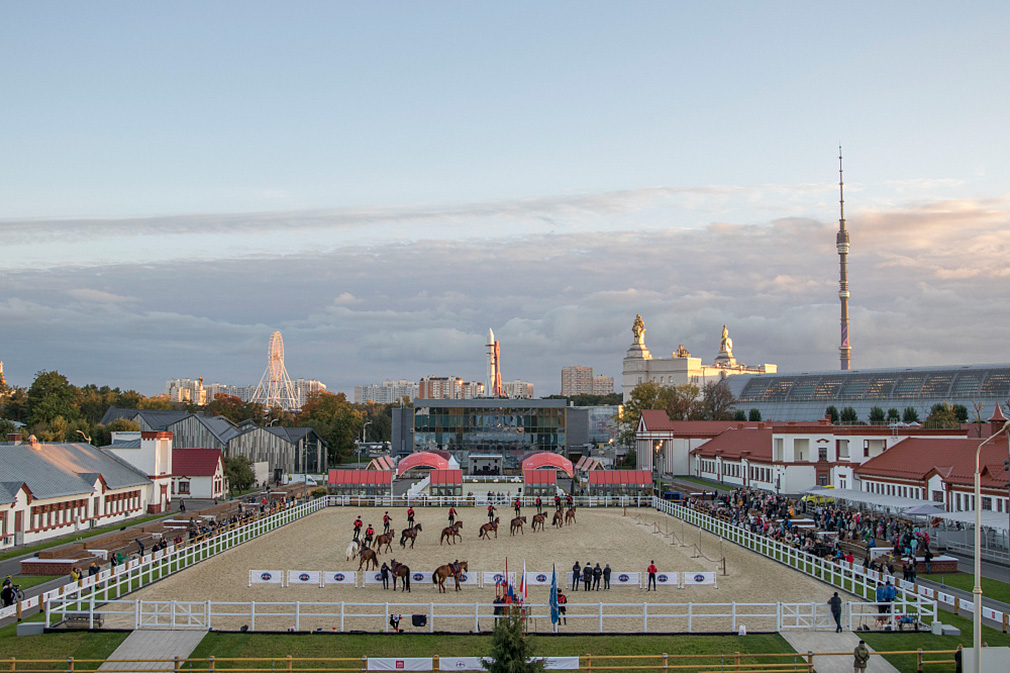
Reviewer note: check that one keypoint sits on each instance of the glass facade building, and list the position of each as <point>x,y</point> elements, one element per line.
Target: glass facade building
<point>510,428</point>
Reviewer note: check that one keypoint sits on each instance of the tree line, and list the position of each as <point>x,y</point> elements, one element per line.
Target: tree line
<point>55,410</point>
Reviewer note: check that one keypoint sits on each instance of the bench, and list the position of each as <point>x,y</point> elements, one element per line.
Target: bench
<point>82,618</point>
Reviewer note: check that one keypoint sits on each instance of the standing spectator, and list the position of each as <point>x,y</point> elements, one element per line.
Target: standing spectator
<point>182,505</point>
<point>140,547</point>
<point>587,576</point>
<point>881,598</point>
<point>576,576</point>
<point>606,577</point>
<point>597,576</point>
<point>563,609</point>
<point>928,556</point>
<point>93,569</point>
<point>386,519</point>
<point>835,602</point>
<point>385,575</point>
<point>860,656</point>
<point>890,593</point>
<point>958,653</point>
<point>652,576</point>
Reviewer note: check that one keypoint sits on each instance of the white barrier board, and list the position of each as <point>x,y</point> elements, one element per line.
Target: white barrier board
<point>306,578</point>
<point>493,578</point>
<point>535,579</point>
<point>698,578</point>
<point>666,579</point>
<point>619,579</point>
<point>405,664</point>
<point>266,577</point>
<point>337,577</point>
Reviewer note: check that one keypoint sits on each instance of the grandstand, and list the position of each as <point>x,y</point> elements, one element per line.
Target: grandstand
<point>805,396</point>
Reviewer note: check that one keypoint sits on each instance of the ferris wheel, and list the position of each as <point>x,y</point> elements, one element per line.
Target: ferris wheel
<point>275,388</point>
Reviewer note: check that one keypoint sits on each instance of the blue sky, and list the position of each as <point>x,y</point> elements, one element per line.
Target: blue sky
<point>384,181</point>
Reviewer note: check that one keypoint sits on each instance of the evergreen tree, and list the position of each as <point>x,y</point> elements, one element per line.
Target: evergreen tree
<point>740,415</point>
<point>754,415</point>
<point>877,416</point>
<point>910,415</point>
<point>511,650</point>
<point>893,415</point>
<point>832,413</point>
<point>849,416</point>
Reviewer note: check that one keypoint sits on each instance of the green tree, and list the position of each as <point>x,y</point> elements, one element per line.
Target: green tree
<point>234,409</point>
<point>335,420</point>
<point>849,416</point>
<point>740,415</point>
<point>15,406</point>
<point>942,416</point>
<point>877,416</point>
<point>754,415</point>
<point>910,415</point>
<point>239,471</point>
<point>157,402</point>
<point>682,402</point>
<point>6,428</point>
<point>511,649</point>
<point>717,401</point>
<point>893,415</point>
<point>51,395</point>
<point>961,411</point>
<point>832,413</point>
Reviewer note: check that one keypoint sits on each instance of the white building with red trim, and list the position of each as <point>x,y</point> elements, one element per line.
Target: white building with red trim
<point>198,473</point>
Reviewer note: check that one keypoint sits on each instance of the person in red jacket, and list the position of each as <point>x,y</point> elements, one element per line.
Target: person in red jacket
<point>452,515</point>
<point>386,519</point>
<point>369,534</point>
<point>652,575</point>
<point>357,527</point>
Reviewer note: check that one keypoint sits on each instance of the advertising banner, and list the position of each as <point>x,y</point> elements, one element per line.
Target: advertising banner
<point>309,578</point>
<point>266,577</point>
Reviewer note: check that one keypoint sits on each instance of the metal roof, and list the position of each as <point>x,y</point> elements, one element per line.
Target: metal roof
<point>54,470</point>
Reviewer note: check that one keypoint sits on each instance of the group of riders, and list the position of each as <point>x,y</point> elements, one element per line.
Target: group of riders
<point>517,506</point>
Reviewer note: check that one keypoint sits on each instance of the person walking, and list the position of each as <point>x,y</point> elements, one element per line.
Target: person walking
<point>182,505</point>
<point>860,656</point>
<point>597,576</point>
<point>606,577</point>
<point>587,576</point>
<point>386,521</point>
<point>652,576</point>
<point>385,575</point>
<point>835,603</point>
<point>140,547</point>
<point>576,576</point>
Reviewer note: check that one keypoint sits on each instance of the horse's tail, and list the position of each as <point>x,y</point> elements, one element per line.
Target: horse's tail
<point>406,578</point>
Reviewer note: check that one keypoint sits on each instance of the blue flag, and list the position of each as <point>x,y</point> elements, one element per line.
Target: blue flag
<point>554,595</point>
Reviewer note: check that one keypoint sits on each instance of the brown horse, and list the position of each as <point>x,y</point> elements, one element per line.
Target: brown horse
<point>385,539</point>
<point>559,519</point>
<point>538,520</point>
<point>442,573</point>
<point>399,570</point>
<point>410,534</point>
<point>368,555</point>
<point>570,516</point>
<point>485,530</point>
<point>517,525</point>
<point>450,532</point>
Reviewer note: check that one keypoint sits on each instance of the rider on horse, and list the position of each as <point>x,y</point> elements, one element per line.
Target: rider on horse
<point>386,519</point>
<point>490,513</point>
<point>357,527</point>
<point>452,514</point>
<point>410,516</point>
<point>369,534</point>
<point>540,508</point>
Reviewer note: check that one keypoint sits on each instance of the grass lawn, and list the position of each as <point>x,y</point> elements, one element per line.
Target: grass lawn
<point>994,589</point>
<point>707,484</point>
<point>355,645</point>
<point>78,644</point>
<point>927,641</point>
<point>28,581</point>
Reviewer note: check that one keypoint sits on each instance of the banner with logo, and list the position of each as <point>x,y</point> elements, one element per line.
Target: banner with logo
<point>337,577</point>
<point>534,579</point>
<point>375,577</point>
<point>473,663</point>
<point>405,664</point>
<point>490,579</point>
<point>266,577</point>
<point>470,579</point>
<point>560,663</point>
<point>420,577</point>
<point>307,578</point>
<point>618,579</point>
<point>994,615</point>
<point>964,605</point>
<point>906,585</point>
<point>664,579</point>
<point>926,591</point>
<point>695,579</point>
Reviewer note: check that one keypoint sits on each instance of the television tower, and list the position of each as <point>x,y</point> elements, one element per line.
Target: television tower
<point>842,242</point>
<point>275,388</point>
<point>493,388</point>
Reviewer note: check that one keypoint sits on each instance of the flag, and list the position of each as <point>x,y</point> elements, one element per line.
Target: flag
<point>509,595</point>
<point>554,595</point>
<point>522,585</point>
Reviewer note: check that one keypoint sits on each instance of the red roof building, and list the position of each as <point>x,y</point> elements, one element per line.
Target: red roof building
<point>620,482</point>
<point>198,473</point>
<point>360,482</point>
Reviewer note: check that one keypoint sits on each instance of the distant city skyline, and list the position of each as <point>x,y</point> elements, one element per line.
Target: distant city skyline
<point>384,182</point>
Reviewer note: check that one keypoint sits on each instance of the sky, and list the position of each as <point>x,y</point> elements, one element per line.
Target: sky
<point>384,182</point>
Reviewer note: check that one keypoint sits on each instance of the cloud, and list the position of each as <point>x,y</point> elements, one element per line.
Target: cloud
<point>925,284</point>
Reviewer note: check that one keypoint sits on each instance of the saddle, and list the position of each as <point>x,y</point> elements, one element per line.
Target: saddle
<point>454,568</point>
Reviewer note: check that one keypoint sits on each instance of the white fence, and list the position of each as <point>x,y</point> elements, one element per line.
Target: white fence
<point>345,616</point>
<point>847,577</point>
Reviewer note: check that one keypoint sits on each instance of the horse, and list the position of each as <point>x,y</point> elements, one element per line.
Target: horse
<point>410,534</point>
<point>442,573</point>
<point>400,570</point>
<point>352,549</point>
<point>385,539</point>
<point>450,532</point>
<point>570,516</point>
<point>368,555</point>
<point>517,525</point>
<point>538,520</point>
<point>559,519</point>
<point>486,529</point>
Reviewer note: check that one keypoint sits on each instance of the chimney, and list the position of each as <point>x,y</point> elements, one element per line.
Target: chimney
<point>33,441</point>
<point>997,420</point>
<point>14,438</point>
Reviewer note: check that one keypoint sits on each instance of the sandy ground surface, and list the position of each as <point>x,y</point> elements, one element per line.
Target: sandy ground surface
<point>628,542</point>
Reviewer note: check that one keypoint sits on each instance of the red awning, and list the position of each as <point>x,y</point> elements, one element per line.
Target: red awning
<point>453,477</point>
<point>540,477</point>
<point>620,478</point>
<point>422,459</point>
<point>360,478</point>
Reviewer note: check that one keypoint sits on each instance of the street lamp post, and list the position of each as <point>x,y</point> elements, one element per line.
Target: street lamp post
<point>367,423</point>
<point>977,589</point>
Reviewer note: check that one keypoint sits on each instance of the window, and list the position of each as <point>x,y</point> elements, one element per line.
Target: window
<point>866,448</point>
<point>986,503</point>
<point>184,488</point>
<point>822,454</point>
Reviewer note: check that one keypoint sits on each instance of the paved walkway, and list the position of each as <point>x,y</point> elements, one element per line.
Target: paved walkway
<point>829,641</point>
<point>153,644</point>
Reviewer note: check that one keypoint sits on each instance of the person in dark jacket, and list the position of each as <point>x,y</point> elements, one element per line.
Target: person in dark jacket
<point>597,576</point>
<point>587,576</point>
<point>606,577</point>
<point>835,603</point>
<point>576,576</point>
